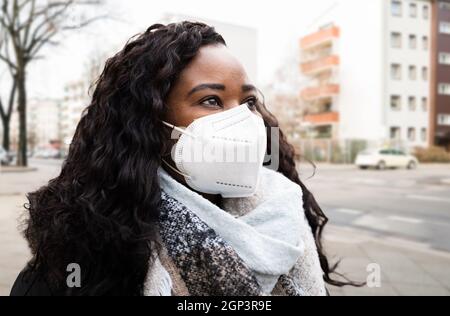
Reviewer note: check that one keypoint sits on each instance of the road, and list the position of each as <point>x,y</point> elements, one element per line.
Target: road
<point>391,218</point>
<point>409,204</point>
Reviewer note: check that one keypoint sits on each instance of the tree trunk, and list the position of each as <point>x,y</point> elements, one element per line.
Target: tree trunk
<point>22,159</point>
<point>6,141</point>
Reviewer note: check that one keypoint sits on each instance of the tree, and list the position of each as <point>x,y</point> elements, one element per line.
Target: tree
<point>6,107</point>
<point>28,26</point>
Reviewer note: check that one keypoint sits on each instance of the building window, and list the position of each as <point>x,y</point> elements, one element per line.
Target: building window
<point>396,72</point>
<point>444,88</point>
<point>413,10</point>
<point>424,104</point>
<point>396,40</point>
<point>412,73</point>
<point>424,73</point>
<point>444,58</point>
<point>411,134</point>
<point>396,8</point>
<point>412,104</point>
<point>396,103</point>
<point>444,5</point>
<point>425,42</point>
<point>395,133</point>
<point>444,27</point>
<point>412,41</point>
<point>423,134</point>
<point>426,12</point>
<point>444,119</point>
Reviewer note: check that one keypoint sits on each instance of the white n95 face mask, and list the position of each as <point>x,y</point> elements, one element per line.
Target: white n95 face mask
<point>222,153</point>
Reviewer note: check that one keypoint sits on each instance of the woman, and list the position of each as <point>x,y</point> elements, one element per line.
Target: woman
<point>139,218</point>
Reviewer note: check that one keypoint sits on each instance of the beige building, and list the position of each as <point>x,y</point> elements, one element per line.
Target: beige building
<point>75,100</point>
<point>367,65</point>
<point>42,124</point>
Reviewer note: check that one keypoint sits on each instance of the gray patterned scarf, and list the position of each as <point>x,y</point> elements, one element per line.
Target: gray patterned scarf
<point>217,253</point>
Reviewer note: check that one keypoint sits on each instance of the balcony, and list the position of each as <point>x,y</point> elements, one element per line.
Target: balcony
<point>321,37</point>
<point>322,118</point>
<point>320,65</point>
<point>315,93</point>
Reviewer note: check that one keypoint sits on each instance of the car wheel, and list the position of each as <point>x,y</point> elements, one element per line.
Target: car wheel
<point>363,167</point>
<point>381,165</point>
<point>412,165</point>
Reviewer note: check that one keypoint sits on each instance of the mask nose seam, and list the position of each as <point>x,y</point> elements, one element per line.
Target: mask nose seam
<point>237,140</point>
<point>231,124</point>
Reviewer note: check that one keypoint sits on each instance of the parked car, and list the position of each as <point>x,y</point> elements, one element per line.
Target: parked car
<point>5,159</point>
<point>385,158</point>
<point>47,153</point>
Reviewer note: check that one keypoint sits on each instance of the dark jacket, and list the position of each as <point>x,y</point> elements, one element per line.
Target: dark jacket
<point>31,283</point>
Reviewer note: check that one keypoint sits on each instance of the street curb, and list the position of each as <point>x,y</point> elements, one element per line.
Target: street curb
<point>390,241</point>
<point>17,169</point>
<point>9,194</point>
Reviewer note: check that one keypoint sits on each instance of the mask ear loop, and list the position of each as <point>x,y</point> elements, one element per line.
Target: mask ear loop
<point>173,127</point>
<point>175,170</point>
<point>183,131</point>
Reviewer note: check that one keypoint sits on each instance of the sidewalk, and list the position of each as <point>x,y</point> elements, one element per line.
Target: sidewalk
<point>407,268</point>
<point>14,252</point>
<point>346,166</point>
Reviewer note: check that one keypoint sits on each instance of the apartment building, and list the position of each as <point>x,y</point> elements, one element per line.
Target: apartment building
<point>75,100</point>
<point>440,80</point>
<point>43,124</point>
<point>367,72</point>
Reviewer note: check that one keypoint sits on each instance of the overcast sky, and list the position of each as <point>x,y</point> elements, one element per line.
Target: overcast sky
<point>279,24</point>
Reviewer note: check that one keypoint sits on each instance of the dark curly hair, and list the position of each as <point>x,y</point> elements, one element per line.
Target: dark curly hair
<point>102,210</point>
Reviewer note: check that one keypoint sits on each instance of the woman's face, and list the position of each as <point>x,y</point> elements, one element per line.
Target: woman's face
<point>214,81</point>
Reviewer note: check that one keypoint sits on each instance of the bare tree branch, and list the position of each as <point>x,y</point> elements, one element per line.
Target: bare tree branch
<point>6,114</point>
<point>84,23</point>
<point>26,26</point>
<point>48,20</point>
<point>2,112</point>
<point>38,43</point>
<point>4,45</point>
<point>7,61</point>
<point>29,20</point>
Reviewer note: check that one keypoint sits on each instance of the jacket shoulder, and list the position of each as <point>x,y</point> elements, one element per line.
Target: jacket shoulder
<point>30,283</point>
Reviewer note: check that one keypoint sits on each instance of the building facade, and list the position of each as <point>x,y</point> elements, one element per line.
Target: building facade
<point>75,100</point>
<point>369,72</point>
<point>440,80</point>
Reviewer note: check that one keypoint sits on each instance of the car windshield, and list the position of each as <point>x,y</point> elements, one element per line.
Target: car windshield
<point>368,152</point>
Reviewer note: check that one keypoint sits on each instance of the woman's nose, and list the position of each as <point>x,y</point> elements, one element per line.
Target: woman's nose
<point>231,105</point>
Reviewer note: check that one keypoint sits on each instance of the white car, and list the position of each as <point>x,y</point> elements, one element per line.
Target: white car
<point>46,153</point>
<point>4,157</point>
<point>385,158</point>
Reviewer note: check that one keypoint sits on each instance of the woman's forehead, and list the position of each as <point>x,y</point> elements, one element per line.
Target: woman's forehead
<point>214,64</point>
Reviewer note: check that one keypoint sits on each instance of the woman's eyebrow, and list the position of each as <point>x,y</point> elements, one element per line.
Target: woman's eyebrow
<point>203,86</point>
<point>217,86</point>
<point>248,87</point>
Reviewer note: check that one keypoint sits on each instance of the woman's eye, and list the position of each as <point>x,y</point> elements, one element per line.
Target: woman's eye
<point>213,102</point>
<point>252,103</point>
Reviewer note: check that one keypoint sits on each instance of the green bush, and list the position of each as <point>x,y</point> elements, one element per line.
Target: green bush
<point>432,154</point>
